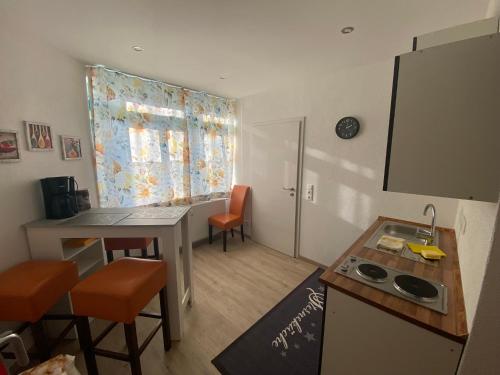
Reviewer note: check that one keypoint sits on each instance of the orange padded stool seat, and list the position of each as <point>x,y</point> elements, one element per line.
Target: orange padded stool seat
<point>235,216</point>
<point>28,290</point>
<point>118,292</point>
<point>225,221</point>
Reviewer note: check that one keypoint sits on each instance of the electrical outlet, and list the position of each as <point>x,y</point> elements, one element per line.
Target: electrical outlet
<point>309,192</point>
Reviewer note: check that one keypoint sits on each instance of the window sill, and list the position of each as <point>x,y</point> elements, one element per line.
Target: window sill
<point>201,203</point>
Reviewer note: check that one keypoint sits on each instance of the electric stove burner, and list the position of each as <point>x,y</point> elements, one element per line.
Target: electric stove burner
<point>415,288</point>
<point>371,272</point>
<point>428,293</point>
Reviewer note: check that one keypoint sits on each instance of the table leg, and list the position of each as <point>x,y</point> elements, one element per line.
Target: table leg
<point>187,255</point>
<point>175,288</point>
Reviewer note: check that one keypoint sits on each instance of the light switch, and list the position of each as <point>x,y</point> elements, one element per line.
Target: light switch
<point>309,192</point>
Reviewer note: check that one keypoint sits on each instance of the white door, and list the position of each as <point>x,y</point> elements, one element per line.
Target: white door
<point>275,160</point>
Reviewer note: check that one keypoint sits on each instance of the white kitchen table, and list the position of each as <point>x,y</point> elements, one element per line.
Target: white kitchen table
<point>46,239</point>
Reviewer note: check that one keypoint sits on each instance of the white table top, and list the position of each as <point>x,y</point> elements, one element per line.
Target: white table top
<point>138,216</point>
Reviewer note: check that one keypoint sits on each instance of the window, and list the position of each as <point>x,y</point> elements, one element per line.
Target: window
<point>156,143</point>
<point>145,145</point>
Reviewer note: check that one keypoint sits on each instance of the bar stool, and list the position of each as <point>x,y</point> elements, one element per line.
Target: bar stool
<point>118,292</point>
<point>29,290</point>
<point>127,244</point>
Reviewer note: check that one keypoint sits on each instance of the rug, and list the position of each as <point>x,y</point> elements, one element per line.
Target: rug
<point>287,340</point>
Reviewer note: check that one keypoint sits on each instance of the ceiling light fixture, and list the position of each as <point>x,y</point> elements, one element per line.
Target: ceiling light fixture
<point>137,48</point>
<point>347,30</point>
<point>222,76</point>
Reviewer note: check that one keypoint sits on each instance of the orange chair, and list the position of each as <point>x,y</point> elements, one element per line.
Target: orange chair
<point>118,292</point>
<point>126,244</point>
<point>29,290</point>
<point>233,218</point>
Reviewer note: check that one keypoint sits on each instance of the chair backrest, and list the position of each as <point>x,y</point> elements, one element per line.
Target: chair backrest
<point>239,196</point>
<point>112,244</point>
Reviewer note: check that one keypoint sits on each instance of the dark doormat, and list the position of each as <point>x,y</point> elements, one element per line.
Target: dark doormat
<point>287,340</point>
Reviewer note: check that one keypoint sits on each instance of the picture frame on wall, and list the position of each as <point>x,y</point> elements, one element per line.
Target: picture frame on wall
<point>9,146</point>
<point>71,147</point>
<point>39,136</point>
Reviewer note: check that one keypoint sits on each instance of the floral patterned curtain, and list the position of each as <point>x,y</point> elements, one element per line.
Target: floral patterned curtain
<point>156,143</point>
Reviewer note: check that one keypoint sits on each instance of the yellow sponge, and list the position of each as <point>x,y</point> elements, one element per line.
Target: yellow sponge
<point>428,252</point>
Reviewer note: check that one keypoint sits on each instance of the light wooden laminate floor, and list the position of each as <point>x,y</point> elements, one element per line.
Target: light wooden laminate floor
<point>232,291</point>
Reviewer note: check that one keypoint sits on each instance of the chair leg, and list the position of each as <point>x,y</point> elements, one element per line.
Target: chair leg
<point>242,234</point>
<point>40,339</point>
<point>165,324</point>
<point>210,232</point>
<point>224,240</point>
<point>232,232</point>
<point>156,248</point>
<point>133,348</point>
<point>127,252</point>
<point>109,256</point>
<point>85,339</point>
<point>144,253</point>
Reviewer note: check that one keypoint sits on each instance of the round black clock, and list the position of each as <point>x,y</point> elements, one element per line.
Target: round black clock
<point>347,127</point>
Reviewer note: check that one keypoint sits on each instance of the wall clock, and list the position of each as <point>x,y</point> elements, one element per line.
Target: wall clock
<point>347,127</point>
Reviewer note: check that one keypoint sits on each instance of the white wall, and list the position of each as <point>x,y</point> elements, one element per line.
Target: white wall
<point>199,217</point>
<point>474,228</point>
<point>348,175</point>
<point>482,349</point>
<point>38,83</point>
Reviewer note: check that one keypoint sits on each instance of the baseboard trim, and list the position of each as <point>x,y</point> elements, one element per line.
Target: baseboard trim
<point>203,241</point>
<point>312,262</point>
<point>216,236</point>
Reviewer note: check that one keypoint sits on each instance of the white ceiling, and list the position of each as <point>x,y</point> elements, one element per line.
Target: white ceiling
<point>257,44</point>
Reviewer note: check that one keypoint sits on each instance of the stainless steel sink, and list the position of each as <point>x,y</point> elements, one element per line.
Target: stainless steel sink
<point>408,232</point>
<point>399,229</point>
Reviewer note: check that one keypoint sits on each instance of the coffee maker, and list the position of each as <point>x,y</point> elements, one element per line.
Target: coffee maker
<point>59,196</point>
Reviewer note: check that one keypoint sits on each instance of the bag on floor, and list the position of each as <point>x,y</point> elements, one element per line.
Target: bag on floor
<point>59,365</point>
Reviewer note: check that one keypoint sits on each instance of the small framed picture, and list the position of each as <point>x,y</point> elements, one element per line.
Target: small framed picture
<point>9,146</point>
<point>39,136</point>
<point>71,147</point>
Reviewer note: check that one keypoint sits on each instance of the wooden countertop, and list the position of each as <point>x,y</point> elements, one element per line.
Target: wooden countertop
<point>453,325</point>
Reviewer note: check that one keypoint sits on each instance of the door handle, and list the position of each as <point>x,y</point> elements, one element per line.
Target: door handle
<point>288,188</point>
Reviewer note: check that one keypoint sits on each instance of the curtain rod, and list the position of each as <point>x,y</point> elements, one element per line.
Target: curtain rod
<point>155,80</point>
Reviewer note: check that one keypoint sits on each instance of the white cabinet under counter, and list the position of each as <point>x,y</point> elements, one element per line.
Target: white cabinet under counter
<point>362,339</point>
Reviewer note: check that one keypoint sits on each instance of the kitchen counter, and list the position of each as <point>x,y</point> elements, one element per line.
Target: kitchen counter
<point>453,325</point>
<point>170,225</point>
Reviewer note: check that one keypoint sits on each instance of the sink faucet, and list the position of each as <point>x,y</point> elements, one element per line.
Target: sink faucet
<point>424,233</point>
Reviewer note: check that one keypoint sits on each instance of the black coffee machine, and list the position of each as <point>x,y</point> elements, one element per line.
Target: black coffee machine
<point>59,196</point>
